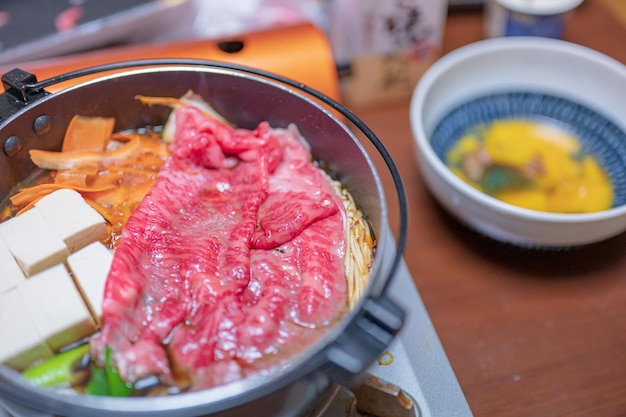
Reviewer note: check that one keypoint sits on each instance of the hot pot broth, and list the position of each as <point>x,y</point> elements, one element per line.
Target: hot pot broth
<point>133,181</point>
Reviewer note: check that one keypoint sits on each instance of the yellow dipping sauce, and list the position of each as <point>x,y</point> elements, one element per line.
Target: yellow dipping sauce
<point>531,165</point>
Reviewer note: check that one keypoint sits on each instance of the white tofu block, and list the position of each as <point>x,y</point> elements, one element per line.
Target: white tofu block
<point>33,242</point>
<point>57,308</point>
<point>72,218</point>
<point>10,272</point>
<point>90,267</point>
<point>20,343</point>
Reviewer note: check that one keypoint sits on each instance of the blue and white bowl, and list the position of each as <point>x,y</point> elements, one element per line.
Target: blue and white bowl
<point>572,85</point>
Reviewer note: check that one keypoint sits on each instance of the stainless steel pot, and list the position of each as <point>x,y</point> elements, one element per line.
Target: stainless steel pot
<point>33,118</point>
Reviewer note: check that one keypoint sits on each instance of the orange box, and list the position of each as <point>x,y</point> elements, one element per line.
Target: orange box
<point>300,52</point>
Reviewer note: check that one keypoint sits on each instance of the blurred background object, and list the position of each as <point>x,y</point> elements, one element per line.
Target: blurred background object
<point>465,4</point>
<point>380,47</point>
<point>61,27</point>
<point>545,18</point>
<point>298,51</point>
<point>47,28</point>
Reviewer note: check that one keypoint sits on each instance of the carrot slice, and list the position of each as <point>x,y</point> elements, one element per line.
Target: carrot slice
<point>149,144</point>
<point>79,176</point>
<point>190,98</point>
<point>172,102</point>
<point>73,159</point>
<point>31,193</point>
<point>98,207</point>
<point>154,146</point>
<point>85,133</point>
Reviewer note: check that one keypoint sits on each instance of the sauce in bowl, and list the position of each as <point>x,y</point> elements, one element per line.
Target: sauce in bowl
<point>531,164</point>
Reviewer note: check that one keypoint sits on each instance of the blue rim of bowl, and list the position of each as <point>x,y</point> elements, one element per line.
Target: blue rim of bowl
<point>599,136</point>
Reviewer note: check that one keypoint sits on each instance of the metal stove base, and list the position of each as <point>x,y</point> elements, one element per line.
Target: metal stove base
<point>418,362</point>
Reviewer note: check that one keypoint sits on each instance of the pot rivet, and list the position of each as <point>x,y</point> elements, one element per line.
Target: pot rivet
<point>42,124</point>
<point>12,145</point>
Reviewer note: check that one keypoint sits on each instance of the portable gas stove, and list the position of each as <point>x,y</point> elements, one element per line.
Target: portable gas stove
<point>413,377</point>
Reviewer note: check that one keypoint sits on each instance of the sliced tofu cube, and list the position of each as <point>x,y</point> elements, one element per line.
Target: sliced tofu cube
<point>57,308</point>
<point>90,267</point>
<point>21,344</point>
<point>11,274</point>
<point>33,242</point>
<point>72,218</point>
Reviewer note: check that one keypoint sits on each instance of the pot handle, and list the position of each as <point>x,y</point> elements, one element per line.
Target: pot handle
<point>369,334</point>
<point>17,92</point>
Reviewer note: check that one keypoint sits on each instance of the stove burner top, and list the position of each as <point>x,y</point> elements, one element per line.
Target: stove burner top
<point>375,398</point>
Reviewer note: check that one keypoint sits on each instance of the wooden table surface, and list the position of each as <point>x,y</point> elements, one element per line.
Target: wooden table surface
<point>528,333</point>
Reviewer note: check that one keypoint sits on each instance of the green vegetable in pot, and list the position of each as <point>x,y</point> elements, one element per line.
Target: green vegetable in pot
<point>107,381</point>
<point>98,384</point>
<point>117,387</point>
<point>57,370</point>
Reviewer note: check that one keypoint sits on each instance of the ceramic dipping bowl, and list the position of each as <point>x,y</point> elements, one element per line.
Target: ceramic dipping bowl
<point>551,82</point>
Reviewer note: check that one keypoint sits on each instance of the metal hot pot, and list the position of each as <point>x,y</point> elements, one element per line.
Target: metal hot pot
<point>30,117</point>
